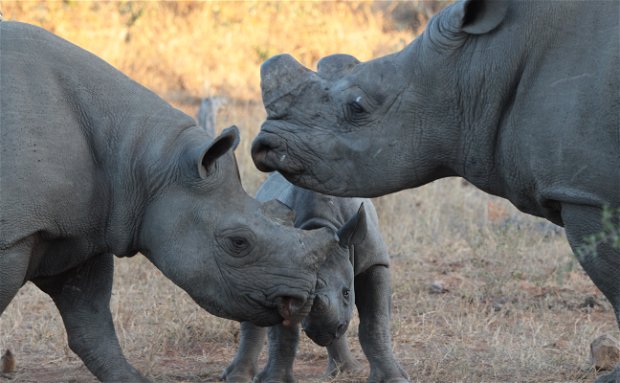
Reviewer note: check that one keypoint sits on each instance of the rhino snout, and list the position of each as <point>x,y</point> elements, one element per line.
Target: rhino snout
<point>263,146</point>
<point>293,309</point>
<point>324,334</point>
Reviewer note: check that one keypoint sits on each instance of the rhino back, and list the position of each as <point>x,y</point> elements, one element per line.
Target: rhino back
<point>320,210</point>
<point>71,124</point>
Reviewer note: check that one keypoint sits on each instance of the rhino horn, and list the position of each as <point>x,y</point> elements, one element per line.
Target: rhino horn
<point>280,76</point>
<point>315,259</point>
<point>331,67</point>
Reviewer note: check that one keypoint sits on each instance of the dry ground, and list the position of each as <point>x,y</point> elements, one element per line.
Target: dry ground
<point>513,305</point>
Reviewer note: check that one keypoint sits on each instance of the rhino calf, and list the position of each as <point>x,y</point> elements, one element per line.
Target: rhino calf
<point>95,165</point>
<point>368,262</point>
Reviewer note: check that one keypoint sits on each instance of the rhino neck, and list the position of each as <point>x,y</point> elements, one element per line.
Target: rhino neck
<point>137,154</point>
<point>487,85</point>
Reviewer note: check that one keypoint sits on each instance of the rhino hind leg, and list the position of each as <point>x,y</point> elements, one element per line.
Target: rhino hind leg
<point>82,296</point>
<point>13,268</point>
<point>340,359</point>
<point>245,364</point>
<point>373,300</point>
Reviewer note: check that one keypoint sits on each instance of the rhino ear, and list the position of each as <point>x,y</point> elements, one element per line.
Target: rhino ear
<point>331,66</point>
<point>479,16</point>
<point>278,211</point>
<point>228,140</point>
<point>354,231</point>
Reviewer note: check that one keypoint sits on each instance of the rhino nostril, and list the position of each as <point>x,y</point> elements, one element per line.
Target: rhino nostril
<point>260,148</point>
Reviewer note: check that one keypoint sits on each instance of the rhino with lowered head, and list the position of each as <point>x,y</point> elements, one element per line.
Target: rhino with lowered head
<point>522,99</point>
<point>364,265</point>
<point>93,164</point>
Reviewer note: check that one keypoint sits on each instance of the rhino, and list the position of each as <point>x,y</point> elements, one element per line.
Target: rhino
<point>521,99</point>
<point>93,165</point>
<point>366,267</point>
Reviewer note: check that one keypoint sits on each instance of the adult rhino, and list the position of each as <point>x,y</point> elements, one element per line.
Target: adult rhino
<point>363,262</point>
<point>93,164</point>
<point>522,99</point>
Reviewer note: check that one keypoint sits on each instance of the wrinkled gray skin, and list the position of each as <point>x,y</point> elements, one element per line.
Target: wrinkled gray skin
<point>520,98</point>
<point>93,164</point>
<point>325,324</point>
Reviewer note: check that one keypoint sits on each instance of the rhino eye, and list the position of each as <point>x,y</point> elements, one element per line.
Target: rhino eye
<point>235,243</point>
<point>356,108</point>
<point>346,293</point>
<point>238,244</point>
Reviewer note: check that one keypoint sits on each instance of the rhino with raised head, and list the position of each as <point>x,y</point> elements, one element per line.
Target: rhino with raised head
<point>362,261</point>
<point>93,164</point>
<point>520,98</point>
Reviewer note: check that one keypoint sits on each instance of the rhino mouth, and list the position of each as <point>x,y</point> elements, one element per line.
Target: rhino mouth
<point>286,310</point>
<point>324,334</point>
<point>293,310</point>
<point>321,338</point>
<point>270,152</point>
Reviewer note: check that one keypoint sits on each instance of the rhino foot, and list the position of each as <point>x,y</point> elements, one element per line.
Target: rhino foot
<point>236,373</point>
<point>399,376</point>
<point>267,376</point>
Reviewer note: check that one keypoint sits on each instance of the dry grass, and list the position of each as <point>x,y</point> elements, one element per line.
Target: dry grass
<point>513,302</point>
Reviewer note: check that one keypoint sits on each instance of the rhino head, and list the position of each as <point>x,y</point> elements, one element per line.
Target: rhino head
<point>370,128</point>
<point>237,258</point>
<point>332,309</point>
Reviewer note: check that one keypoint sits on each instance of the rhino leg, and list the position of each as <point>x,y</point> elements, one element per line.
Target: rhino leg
<point>82,296</point>
<point>245,364</point>
<point>13,268</point>
<point>283,342</point>
<point>603,266</point>
<point>373,300</point>
<point>340,358</point>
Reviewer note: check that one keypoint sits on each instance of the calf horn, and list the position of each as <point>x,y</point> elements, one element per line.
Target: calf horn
<point>326,238</point>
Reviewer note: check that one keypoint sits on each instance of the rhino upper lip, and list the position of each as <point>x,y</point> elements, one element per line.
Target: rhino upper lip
<point>269,151</point>
<point>323,340</point>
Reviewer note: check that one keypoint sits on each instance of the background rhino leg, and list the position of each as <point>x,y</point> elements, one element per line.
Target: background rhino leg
<point>602,265</point>
<point>245,364</point>
<point>373,300</point>
<point>82,296</point>
<point>340,358</point>
<point>283,342</point>
<point>13,268</point>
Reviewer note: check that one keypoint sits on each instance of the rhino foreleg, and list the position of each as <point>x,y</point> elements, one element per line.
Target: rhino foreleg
<point>245,365</point>
<point>597,255</point>
<point>283,342</point>
<point>13,268</point>
<point>82,296</point>
<point>373,300</point>
<point>340,358</point>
